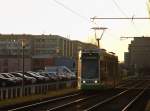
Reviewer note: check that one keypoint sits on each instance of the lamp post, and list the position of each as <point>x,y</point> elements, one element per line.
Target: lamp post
<point>17,55</point>
<point>23,47</point>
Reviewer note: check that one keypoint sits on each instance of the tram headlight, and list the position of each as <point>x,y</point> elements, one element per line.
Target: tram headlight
<point>95,81</point>
<point>83,81</point>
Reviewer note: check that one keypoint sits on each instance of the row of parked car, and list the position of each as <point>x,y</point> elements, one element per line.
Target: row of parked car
<point>30,77</point>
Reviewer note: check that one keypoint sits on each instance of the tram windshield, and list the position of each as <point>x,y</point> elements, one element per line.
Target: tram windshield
<point>89,69</point>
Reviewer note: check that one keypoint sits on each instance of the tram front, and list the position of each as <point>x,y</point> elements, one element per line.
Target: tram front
<point>90,70</point>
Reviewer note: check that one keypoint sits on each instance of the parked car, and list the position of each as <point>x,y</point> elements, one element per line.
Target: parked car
<point>68,73</point>
<point>10,76</point>
<point>62,72</point>
<point>45,74</point>
<point>27,79</point>
<point>44,77</point>
<point>6,82</point>
<point>53,75</point>
<point>73,76</point>
<point>39,78</point>
<point>55,72</point>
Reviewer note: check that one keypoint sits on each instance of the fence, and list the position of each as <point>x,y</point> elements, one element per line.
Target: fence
<point>18,91</point>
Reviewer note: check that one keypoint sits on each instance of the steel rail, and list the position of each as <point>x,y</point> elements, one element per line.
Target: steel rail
<point>44,102</point>
<point>60,98</point>
<point>70,103</point>
<point>82,99</point>
<point>106,100</point>
<point>126,108</point>
<point>125,85</point>
<point>111,98</point>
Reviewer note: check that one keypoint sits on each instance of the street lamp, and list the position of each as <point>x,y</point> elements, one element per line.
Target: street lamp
<point>17,55</point>
<point>23,71</point>
<point>99,38</point>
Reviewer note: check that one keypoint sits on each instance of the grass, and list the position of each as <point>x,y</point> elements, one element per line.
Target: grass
<point>18,100</point>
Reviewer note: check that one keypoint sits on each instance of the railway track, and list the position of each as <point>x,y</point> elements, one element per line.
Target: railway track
<point>121,102</point>
<point>129,84</point>
<point>45,102</point>
<point>124,101</point>
<point>103,100</point>
<point>81,105</point>
<point>62,102</point>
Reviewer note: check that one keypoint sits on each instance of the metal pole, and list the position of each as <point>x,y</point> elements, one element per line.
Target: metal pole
<point>98,39</point>
<point>114,73</point>
<point>130,18</point>
<point>23,67</point>
<point>18,55</point>
<point>98,42</point>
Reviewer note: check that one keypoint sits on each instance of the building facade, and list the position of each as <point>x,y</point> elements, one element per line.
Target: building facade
<point>39,51</point>
<point>51,44</point>
<point>139,56</point>
<point>12,64</point>
<point>126,59</point>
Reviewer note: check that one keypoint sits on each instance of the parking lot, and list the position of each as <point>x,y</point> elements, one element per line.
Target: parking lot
<point>39,77</point>
<point>18,84</point>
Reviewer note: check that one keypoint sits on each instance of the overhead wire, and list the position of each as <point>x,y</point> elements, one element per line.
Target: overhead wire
<point>116,4</point>
<point>120,9</point>
<point>74,12</point>
<point>71,10</point>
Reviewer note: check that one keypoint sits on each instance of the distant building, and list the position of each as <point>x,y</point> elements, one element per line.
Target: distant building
<point>138,56</point>
<point>126,59</point>
<point>12,64</point>
<point>51,44</point>
<point>39,51</point>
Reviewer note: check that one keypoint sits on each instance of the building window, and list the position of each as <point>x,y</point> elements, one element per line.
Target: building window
<point>5,62</point>
<point>5,70</point>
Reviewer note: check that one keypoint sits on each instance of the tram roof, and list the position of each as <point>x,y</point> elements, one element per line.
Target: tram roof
<point>93,50</point>
<point>100,51</point>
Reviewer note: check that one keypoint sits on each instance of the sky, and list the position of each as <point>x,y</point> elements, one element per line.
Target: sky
<point>71,19</point>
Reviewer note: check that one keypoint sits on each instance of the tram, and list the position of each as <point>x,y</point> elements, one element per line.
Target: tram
<point>98,69</point>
